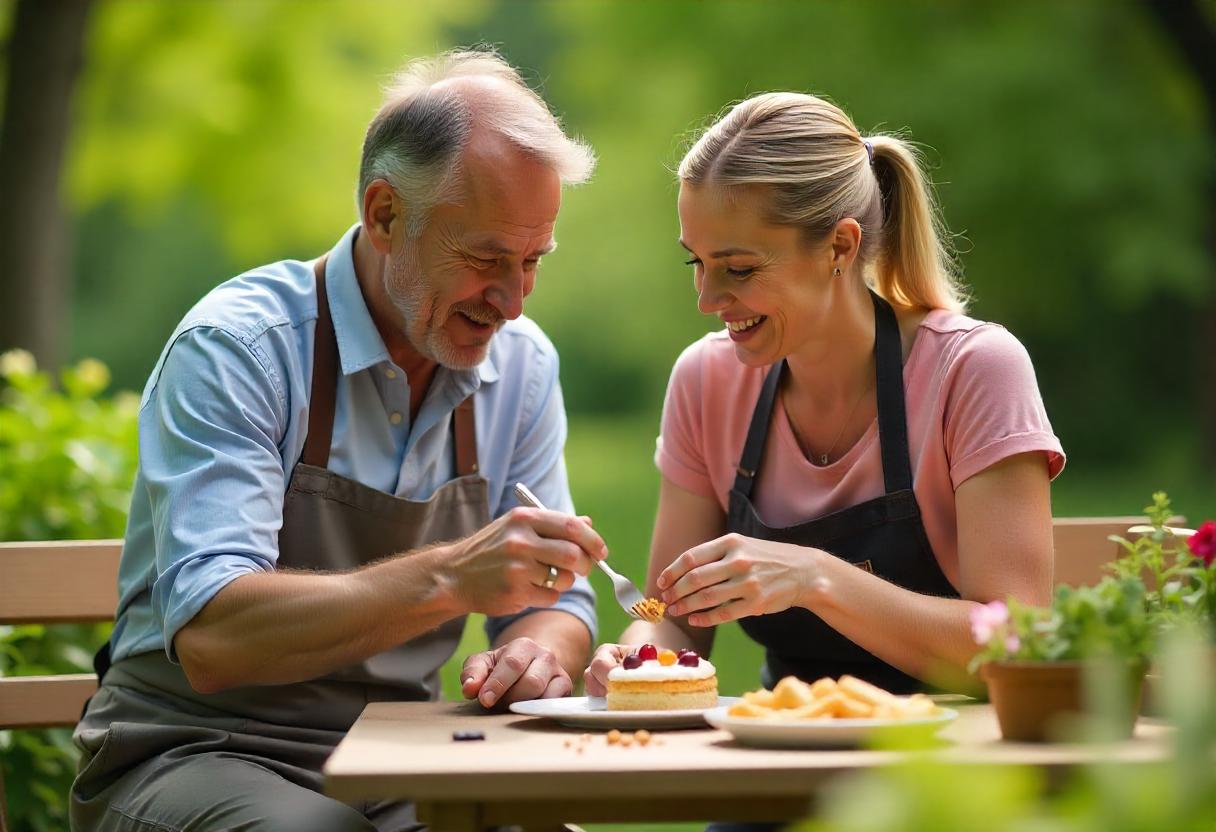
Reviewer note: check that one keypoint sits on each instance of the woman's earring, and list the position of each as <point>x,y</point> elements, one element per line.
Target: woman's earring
<point>836,272</point>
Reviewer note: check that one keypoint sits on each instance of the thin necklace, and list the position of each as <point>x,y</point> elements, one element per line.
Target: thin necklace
<point>823,458</point>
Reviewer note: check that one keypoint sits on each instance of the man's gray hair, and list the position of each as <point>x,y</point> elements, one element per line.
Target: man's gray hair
<point>415,141</point>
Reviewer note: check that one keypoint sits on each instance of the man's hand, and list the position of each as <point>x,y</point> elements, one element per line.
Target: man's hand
<point>519,670</point>
<point>502,568</point>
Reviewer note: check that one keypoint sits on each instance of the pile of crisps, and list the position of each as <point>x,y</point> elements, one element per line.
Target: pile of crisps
<point>846,698</point>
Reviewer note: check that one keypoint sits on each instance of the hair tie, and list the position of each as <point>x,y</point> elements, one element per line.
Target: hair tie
<point>869,151</point>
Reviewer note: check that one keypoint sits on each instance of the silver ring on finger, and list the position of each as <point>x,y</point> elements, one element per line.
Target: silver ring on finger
<point>551,578</point>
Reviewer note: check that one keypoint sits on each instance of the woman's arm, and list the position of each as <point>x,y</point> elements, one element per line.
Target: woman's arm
<point>684,520</point>
<point>1005,548</point>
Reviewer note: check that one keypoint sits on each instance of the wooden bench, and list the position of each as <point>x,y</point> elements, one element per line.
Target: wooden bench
<point>1083,545</point>
<point>76,582</point>
<point>62,582</point>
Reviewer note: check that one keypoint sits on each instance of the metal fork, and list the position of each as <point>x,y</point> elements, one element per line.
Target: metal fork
<point>627,594</point>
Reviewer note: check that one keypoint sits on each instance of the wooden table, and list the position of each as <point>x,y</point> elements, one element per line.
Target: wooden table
<point>531,772</point>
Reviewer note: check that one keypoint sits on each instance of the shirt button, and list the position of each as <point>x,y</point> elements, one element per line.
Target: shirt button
<point>389,372</point>
<point>395,418</point>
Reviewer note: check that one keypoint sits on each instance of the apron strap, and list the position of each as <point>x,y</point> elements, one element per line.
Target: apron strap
<point>324,380</point>
<point>324,391</point>
<point>892,420</point>
<point>757,432</point>
<point>464,422</point>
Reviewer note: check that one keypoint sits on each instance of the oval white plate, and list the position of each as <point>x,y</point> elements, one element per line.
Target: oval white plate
<point>592,712</point>
<point>827,733</point>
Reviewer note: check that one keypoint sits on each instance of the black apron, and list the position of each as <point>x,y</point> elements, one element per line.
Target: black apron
<point>884,535</point>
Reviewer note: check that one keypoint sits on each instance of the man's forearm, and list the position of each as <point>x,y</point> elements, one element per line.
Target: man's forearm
<point>282,627</point>
<point>564,634</point>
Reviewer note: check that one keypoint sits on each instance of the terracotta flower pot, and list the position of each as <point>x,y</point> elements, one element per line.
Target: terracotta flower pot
<point>1034,701</point>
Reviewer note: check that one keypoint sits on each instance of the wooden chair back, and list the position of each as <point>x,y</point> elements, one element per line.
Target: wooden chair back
<point>1083,545</point>
<point>60,582</point>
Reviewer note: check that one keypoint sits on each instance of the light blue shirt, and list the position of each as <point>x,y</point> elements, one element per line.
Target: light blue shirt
<point>224,417</point>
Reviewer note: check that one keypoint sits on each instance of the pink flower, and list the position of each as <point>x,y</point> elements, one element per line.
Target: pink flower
<point>1012,643</point>
<point>986,619</point>
<point>1203,542</point>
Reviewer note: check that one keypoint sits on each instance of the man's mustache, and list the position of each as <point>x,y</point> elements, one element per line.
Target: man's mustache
<point>481,314</point>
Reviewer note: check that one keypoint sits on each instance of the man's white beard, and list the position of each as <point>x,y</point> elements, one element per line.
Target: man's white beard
<point>407,287</point>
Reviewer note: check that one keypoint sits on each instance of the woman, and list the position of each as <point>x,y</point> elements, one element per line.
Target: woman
<point>847,471</point>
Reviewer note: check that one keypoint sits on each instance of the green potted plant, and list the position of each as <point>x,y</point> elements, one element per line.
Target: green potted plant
<point>1041,663</point>
<point>1176,566</point>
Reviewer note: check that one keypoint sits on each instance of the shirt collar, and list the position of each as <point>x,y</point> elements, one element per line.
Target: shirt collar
<point>359,343</point>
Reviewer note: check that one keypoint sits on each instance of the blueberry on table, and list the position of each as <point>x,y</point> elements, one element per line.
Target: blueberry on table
<point>467,736</point>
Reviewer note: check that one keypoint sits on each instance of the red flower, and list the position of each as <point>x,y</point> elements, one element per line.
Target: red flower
<point>1203,542</point>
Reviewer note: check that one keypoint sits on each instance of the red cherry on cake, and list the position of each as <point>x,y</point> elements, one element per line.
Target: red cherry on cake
<point>632,662</point>
<point>684,650</point>
<point>648,652</point>
<point>689,659</point>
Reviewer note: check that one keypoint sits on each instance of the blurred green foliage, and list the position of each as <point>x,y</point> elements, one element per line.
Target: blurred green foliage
<point>67,461</point>
<point>1067,140</point>
<point>67,453</point>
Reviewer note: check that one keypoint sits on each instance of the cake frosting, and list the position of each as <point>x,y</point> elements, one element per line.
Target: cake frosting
<point>654,672</point>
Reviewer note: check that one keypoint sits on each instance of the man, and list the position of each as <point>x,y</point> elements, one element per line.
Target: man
<point>327,452</point>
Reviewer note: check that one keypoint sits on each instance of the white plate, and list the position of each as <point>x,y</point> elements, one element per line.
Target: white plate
<point>592,712</point>
<point>827,733</point>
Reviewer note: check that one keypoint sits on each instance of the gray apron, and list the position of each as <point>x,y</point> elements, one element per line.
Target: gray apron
<point>146,719</point>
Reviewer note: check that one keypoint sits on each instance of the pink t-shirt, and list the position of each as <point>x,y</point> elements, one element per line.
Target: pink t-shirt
<point>971,397</point>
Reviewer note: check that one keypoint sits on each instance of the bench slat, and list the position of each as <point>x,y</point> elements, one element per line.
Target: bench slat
<point>44,701</point>
<point>59,581</point>
<point>1082,547</point>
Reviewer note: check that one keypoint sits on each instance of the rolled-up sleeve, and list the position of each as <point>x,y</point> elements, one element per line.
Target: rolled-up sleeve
<point>994,409</point>
<point>209,453</point>
<point>539,461</point>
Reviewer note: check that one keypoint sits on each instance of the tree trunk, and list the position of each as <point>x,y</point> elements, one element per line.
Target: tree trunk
<point>45,50</point>
<point>1193,31</point>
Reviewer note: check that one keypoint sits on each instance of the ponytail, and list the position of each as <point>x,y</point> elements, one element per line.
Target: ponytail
<point>914,267</point>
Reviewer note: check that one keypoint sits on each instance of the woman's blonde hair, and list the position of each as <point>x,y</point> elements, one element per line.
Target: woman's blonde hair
<point>819,170</point>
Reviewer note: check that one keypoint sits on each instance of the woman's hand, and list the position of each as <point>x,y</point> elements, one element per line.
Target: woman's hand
<point>606,657</point>
<point>736,576</point>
